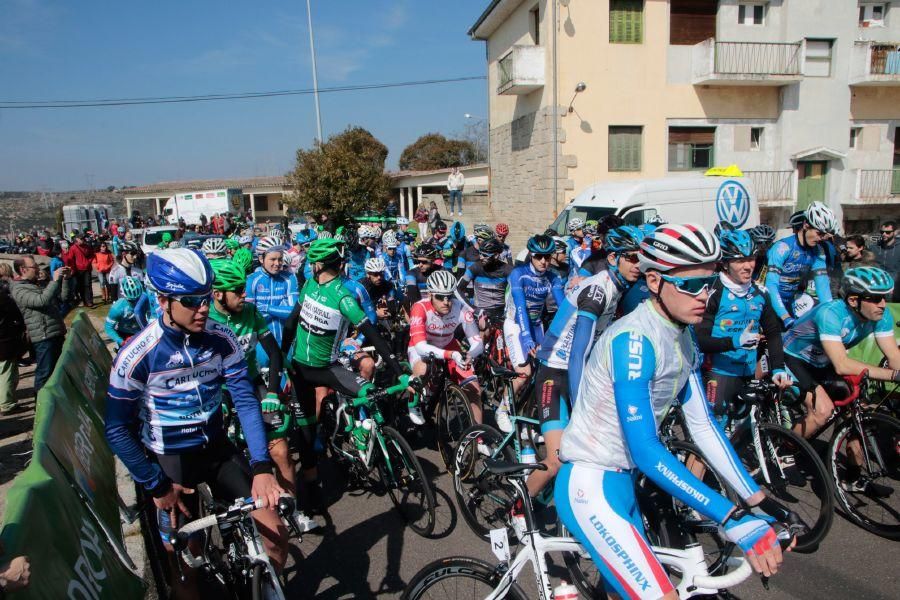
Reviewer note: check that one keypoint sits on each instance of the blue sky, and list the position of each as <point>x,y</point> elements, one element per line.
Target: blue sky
<point>103,49</point>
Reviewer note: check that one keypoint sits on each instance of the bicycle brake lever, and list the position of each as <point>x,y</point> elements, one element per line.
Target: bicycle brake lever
<point>765,582</point>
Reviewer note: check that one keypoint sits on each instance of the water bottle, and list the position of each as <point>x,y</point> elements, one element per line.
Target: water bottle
<point>565,591</point>
<point>528,454</point>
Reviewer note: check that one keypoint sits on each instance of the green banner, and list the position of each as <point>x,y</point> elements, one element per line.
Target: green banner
<point>867,351</point>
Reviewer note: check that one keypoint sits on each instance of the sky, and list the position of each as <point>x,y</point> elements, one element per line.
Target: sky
<point>97,49</point>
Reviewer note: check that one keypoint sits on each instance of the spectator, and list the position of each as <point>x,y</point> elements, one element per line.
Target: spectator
<point>43,319</point>
<point>433,215</point>
<point>12,343</point>
<point>855,253</point>
<point>455,183</point>
<point>103,263</point>
<point>83,266</point>
<point>392,209</point>
<point>203,220</point>
<point>887,253</point>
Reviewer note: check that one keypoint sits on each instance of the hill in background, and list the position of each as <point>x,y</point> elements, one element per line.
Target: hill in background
<point>24,211</point>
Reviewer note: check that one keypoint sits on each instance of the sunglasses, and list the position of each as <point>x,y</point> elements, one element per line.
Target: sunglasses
<point>888,232</point>
<point>631,257</point>
<point>423,261</point>
<point>692,286</point>
<point>237,290</point>
<point>442,297</point>
<point>192,301</point>
<point>874,298</point>
<point>540,256</point>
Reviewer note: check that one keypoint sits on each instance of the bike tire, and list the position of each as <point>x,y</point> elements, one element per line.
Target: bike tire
<point>813,499</point>
<point>885,441</point>
<point>457,577</point>
<point>406,478</point>
<point>483,499</point>
<point>454,416</point>
<point>256,583</point>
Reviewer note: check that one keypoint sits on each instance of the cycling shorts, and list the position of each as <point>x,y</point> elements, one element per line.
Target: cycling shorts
<point>219,464</point>
<point>458,375</point>
<point>550,387</point>
<point>727,388</point>
<point>512,335</point>
<point>600,510</point>
<point>809,377</point>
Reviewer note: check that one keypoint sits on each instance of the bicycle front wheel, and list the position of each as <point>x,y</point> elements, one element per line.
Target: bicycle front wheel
<point>406,483</point>
<point>459,578</point>
<point>787,467</point>
<point>454,415</point>
<point>874,505</point>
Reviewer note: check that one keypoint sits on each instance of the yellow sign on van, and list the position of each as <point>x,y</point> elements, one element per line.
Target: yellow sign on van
<point>729,171</point>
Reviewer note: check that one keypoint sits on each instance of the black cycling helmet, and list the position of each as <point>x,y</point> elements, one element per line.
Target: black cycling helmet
<point>491,247</point>
<point>541,244</point>
<point>797,220</point>
<point>427,250</point>
<point>722,227</point>
<point>762,234</point>
<point>440,226</point>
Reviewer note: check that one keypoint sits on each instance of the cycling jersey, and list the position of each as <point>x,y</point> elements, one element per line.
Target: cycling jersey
<point>636,294</point>
<point>325,313</point>
<point>396,267</point>
<point>525,301</point>
<point>171,383</point>
<point>361,294</point>
<point>417,284</point>
<point>147,308</point>
<point>488,285</point>
<point>274,297</point>
<point>356,261</point>
<point>834,321</point>
<point>248,326</point>
<point>789,264</point>
<point>431,333</point>
<point>120,272</point>
<point>122,321</point>
<point>378,292</point>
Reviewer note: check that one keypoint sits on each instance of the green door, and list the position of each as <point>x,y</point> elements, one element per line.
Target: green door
<point>811,183</point>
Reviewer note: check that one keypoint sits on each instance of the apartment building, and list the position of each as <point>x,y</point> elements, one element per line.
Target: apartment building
<point>802,95</point>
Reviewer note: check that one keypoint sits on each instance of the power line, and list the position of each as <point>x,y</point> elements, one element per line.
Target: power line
<point>32,104</point>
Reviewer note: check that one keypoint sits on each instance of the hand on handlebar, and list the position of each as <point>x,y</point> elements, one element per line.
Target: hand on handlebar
<point>754,535</point>
<point>265,489</point>
<point>173,503</point>
<point>781,379</point>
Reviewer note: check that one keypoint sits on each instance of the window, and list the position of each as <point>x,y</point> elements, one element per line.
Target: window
<point>855,134</point>
<point>625,148</point>
<point>261,203</point>
<point>626,21</point>
<point>534,17</point>
<point>751,14</point>
<point>691,21</point>
<point>691,148</point>
<point>756,134</point>
<point>872,15</point>
<point>818,58</point>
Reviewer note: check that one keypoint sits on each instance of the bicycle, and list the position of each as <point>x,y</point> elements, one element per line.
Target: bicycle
<point>364,445</point>
<point>233,553</point>
<point>462,577</point>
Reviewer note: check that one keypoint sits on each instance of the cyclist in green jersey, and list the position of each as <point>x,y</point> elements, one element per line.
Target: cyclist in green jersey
<point>318,324</point>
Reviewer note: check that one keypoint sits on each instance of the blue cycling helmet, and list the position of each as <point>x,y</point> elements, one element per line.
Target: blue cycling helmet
<point>457,232</point>
<point>736,244</point>
<point>132,288</point>
<point>541,244</point>
<point>305,236</point>
<point>866,281</point>
<point>179,272</point>
<point>626,238</point>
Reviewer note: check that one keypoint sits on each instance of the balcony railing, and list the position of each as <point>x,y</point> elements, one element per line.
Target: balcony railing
<point>746,63</point>
<point>879,185</point>
<point>773,188</point>
<point>875,63</point>
<point>521,70</point>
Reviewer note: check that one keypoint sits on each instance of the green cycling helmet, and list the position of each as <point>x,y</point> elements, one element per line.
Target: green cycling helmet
<point>229,276</point>
<point>325,251</point>
<point>232,244</point>
<point>243,258</point>
<point>866,281</point>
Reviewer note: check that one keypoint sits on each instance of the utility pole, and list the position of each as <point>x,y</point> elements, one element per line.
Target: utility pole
<point>312,52</point>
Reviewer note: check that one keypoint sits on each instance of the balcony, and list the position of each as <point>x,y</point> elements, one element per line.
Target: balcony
<point>521,71</point>
<point>773,188</point>
<point>875,63</point>
<point>746,63</point>
<point>878,186</point>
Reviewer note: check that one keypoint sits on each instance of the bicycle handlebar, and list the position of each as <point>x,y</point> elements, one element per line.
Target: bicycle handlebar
<point>367,395</point>
<point>742,570</point>
<point>855,382</point>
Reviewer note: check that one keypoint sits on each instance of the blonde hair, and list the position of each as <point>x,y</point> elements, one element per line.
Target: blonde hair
<point>6,271</point>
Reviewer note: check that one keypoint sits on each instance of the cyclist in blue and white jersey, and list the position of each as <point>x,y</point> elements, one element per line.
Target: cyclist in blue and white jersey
<point>365,248</point>
<point>586,312</point>
<point>792,259</point>
<point>163,407</point>
<point>273,290</point>
<point>637,369</point>
<point>488,278</point>
<point>395,260</point>
<point>575,229</point>
<point>425,257</point>
<point>816,346</point>
<point>738,311</point>
<point>523,331</point>
<point>122,322</point>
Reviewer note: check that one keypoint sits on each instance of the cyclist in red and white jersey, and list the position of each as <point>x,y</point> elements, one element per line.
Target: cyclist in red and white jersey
<point>432,325</point>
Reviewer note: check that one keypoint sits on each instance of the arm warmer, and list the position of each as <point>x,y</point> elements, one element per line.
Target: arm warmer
<point>267,341</point>
<point>381,346</point>
<point>585,324</point>
<point>771,328</point>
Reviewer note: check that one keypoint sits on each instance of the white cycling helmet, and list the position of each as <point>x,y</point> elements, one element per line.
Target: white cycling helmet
<point>366,232</point>
<point>402,221</point>
<point>375,265</point>
<point>389,239</point>
<point>245,239</point>
<point>441,282</point>
<point>214,248</point>
<point>671,246</point>
<point>820,217</point>
<point>179,272</point>
<point>325,235</point>
<point>270,243</point>
<point>574,225</point>
<point>290,261</point>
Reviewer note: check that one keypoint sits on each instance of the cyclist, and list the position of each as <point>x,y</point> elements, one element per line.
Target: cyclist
<point>523,330</point>
<point>272,290</point>
<point>470,254</point>
<point>214,248</point>
<point>122,321</point>
<point>791,259</point>
<point>559,261</point>
<point>636,370</point>
<point>394,259</point>
<point>501,232</point>
<point>816,348</point>
<point>425,257</point>
<point>317,326</point>
<point>488,277</point>
<point>164,414</point>
<point>575,228</point>
<point>432,323</point>
<point>126,266</point>
<point>738,311</point>
<point>586,312</point>
<point>763,236</point>
<point>366,248</point>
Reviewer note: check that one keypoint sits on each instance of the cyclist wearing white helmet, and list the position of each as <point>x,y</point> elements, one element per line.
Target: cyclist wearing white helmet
<point>432,324</point>
<point>164,413</point>
<point>575,229</point>
<point>214,248</point>
<point>378,287</point>
<point>637,369</point>
<point>393,253</point>
<point>272,289</point>
<point>792,259</point>
<point>365,248</point>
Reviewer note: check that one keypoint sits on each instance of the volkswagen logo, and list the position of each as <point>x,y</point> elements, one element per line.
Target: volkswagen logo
<point>733,203</point>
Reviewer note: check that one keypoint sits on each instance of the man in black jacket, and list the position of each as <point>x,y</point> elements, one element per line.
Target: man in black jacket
<point>12,343</point>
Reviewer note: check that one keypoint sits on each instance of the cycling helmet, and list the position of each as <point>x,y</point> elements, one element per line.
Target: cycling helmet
<point>762,234</point>
<point>574,225</point>
<point>268,244</point>
<point>325,251</point>
<point>166,237</point>
<point>797,219</point>
<point>626,238</point>
<point>242,258</point>
<point>402,221</point>
<point>441,282</point>
<point>325,235</point>
<point>131,288</point>
<point>483,232</point>
<point>375,265</point>
<point>125,247</point>
<point>656,220</point>
<point>389,239</point>
<point>290,261</point>
<point>736,244</point>
<point>232,243</point>
<point>559,243</point>
<point>820,217</point>
<point>502,229</point>
<point>440,226</point>
<point>540,244</point>
<point>245,239</point>
<point>866,280</point>
<point>590,228</point>
<point>457,232</point>
<point>229,276</point>
<point>339,237</point>
<point>722,227</point>
<point>673,246</point>
<point>427,250</point>
<point>179,272</point>
<point>491,247</point>
<point>214,248</point>
<point>305,236</point>
<point>364,232</point>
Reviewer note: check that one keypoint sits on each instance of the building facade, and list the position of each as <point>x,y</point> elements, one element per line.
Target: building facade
<point>802,95</point>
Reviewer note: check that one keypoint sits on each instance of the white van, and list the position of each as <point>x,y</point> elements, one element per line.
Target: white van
<point>706,200</point>
<point>190,206</point>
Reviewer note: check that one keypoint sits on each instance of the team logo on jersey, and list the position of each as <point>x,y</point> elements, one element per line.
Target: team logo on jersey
<point>203,355</point>
<point>726,323</point>
<point>635,355</point>
<point>176,360</point>
<point>633,414</point>
<point>733,203</point>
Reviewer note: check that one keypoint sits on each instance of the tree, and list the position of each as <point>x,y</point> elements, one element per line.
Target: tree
<point>434,151</point>
<point>343,176</point>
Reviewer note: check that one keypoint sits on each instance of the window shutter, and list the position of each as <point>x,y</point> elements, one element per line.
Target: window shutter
<point>625,148</point>
<point>626,21</point>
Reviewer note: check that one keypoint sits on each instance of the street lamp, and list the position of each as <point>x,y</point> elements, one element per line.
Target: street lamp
<point>578,89</point>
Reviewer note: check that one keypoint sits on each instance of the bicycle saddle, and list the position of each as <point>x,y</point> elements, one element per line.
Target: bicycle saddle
<point>499,467</point>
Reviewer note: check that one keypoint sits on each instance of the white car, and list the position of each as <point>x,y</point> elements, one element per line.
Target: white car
<point>150,237</point>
